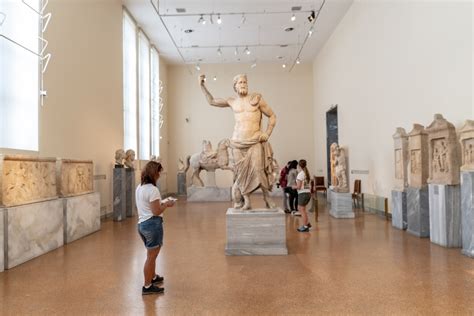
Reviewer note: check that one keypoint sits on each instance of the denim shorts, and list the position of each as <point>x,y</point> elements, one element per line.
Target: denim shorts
<point>151,232</point>
<point>303,198</point>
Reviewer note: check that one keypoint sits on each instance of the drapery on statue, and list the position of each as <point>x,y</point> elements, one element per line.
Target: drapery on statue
<point>341,171</point>
<point>208,159</point>
<point>253,155</point>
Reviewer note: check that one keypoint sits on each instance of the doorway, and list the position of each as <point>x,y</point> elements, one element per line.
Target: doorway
<point>331,136</point>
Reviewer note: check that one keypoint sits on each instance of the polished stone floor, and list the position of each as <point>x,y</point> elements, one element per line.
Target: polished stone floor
<point>343,266</point>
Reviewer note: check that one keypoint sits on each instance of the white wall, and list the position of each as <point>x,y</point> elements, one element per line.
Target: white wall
<point>390,64</point>
<point>288,94</point>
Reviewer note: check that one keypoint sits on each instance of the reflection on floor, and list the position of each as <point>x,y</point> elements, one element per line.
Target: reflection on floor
<point>342,266</point>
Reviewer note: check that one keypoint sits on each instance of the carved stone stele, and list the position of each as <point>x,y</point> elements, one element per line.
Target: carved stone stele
<point>332,158</point>
<point>444,160</point>
<point>400,141</point>
<point>418,155</point>
<point>340,167</point>
<point>74,177</point>
<point>25,179</point>
<point>466,138</point>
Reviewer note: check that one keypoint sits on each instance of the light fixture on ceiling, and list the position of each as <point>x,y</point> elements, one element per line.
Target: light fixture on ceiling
<point>219,51</point>
<point>243,19</point>
<point>289,29</point>
<point>284,65</point>
<point>310,32</point>
<point>188,31</point>
<point>210,19</point>
<point>215,78</point>
<point>311,17</point>
<point>236,52</point>
<point>293,18</point>
<point>202,20</point>
<point>247,50</point>
<point>198,68</point>
<point>219,20</point>
<point>298,60</point>
<point>253,65</point>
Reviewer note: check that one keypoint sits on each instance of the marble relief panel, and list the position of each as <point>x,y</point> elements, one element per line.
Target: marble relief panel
<point>415,161</point>
<point>75,177</point>
<point>25,180</point>
<point>398,164</point>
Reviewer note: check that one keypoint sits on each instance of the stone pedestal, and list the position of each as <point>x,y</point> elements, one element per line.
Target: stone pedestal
<point>211,179</point>
<point>418,211</point>
<point>341,205</point>
<point>256,232</point>
<point>467,212</point>
<point>445,215</point>
<point>81,216</point>
<point>33,230</point>
<point>208,194</point>
<point>181,180</point>
<point>119,196</point>
<point>130,192</point>
<point>2,239</point>
<point>399,209</point>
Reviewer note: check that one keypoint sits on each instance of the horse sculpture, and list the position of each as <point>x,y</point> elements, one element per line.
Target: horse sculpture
<point>208,159</point>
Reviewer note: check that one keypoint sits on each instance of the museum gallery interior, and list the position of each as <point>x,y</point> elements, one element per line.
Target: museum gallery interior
<point>321,154</point>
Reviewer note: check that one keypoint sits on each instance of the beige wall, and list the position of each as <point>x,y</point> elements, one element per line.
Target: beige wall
<point>289,94</point>
<point>390,64</point>
<point>82,115</point>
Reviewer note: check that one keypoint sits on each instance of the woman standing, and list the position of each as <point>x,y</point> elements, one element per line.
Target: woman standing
<point>150,223</point>
<point>304,194</point>
<point>291,186</point>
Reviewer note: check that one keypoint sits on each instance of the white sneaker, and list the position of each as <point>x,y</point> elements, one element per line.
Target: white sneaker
<point>295,213</point>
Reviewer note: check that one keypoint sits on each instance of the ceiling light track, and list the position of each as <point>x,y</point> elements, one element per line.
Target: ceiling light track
<point>308,34</point>
<point>235,13</point>
<point>243,45</point>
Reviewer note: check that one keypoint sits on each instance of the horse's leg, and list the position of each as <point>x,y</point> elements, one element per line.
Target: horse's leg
<point>247,205</point>
<point>196,176</point>
<point>237,196</point>
<point>266,197</point>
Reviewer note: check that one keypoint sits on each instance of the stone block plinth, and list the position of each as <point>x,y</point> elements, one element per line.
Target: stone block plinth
<point>399,209</point>
<point>81,216</point>
<point>445,215</point>
<point>418,211</point>
<point>467,212</point>
<point>341,205</point>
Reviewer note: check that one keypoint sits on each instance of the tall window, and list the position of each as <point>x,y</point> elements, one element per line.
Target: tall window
<point>141,91</point>
<point>19,74</point>
<point>129,83</point>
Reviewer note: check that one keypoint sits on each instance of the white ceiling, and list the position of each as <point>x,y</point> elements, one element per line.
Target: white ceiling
<point>262,31</point>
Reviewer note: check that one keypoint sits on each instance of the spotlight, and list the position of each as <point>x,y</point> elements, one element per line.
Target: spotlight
<point>247,51</point>
<point>219,20</point>
<point>298,60</point>
<point>236,52</point>
<point>198,67</point>
<point>219,51</point>
<point>243,19</point>
<point>310,32</point>
<point>201,20</point>
<point>215,78</point>
<point>311,17</point>
<point>293,18</point>
<point>253,65</point>
<point>284,65</point>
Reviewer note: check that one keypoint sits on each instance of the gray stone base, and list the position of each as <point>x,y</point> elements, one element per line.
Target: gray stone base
<point>418,212</point>
<point>2,240</point>
<point>399,209</point>
<point>208,194</point>
<point>81,216</point>
<point>256,232</point>
<point>130,207</point>
<point>341,205</point>
<point>181,178</point>
<point>467,213</point>
<point>119,196</point>
<point>33,230</point>
<point>445,215</point>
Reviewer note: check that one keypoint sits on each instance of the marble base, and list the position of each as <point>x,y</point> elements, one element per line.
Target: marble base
<point>208,194</point>
<point>467,213</point>
<point>445,214</point>
<point>33,230</point>
<point>418,212</point>
<point>256,232</point>
<point>2,239</point>
<point>119,196</point>
<point>81,216</point>
<point>399,209</point>
<point>130,207</point>
<point>341,205</point>
<point>181,177</point>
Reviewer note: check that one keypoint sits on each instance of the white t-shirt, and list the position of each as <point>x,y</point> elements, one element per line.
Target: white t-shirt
<point>301,177</point>
<point>144,195</point>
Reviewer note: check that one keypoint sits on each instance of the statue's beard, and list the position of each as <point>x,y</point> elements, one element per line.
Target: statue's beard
<point>243,91</point>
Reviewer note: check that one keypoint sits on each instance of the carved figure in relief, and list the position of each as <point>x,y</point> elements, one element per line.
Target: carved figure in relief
<point>468,154</point>
<point>208,160</point>
<point>444,157</point>
<point>415,161</point>
<point>129,158</point>
<point>341,170</point>
<point>333,152</point>
<point>252,153</point>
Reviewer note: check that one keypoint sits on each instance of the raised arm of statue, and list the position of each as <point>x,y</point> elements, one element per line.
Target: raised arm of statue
<point>210,99</point>
<point>268,112</point>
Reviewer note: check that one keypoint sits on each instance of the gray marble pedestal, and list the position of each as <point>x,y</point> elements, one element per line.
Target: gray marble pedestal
<point>418,212</point>
<point>2,236</point>
<point>181,178</point>
<point>119,196</point>
<point>341,205</point>
<point>208,194</point>
<point>33,230</point>
<point>256,232</point>
<point>445,215</point>
<point>467,213</point>
<point>399,209</point>
<point>81,216</point>
<point>130,192</point>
